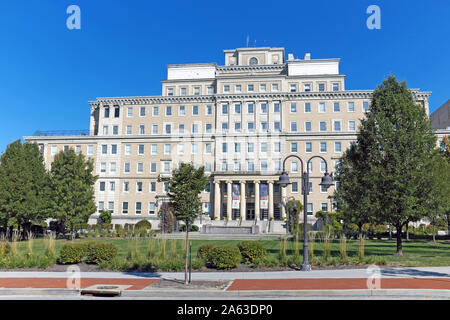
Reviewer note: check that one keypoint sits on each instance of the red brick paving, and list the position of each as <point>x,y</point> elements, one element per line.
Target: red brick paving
<point>338,284</point>
<point>59,283</point>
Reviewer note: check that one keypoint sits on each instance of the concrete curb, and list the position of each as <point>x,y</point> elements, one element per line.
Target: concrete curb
<point>192,294</point>
<point>38,292</point>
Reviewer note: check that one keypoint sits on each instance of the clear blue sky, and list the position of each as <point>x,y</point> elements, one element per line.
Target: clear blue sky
<point>49,73</point>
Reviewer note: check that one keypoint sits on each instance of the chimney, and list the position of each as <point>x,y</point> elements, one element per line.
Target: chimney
<point>308,56</point>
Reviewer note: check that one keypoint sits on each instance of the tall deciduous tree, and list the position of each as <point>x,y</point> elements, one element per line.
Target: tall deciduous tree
<point>185,187</point>
<point>72,185</point>
<point>397,143</point>
<point>24,187</point>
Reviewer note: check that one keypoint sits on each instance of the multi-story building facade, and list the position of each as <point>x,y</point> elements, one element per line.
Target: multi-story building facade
<point>239,120</point>
<point>440,118</point>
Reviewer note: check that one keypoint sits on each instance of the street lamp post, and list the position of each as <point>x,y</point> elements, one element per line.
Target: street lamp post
<point>326,182</point>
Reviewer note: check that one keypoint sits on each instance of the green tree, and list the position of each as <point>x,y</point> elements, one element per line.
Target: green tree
<point>105,217</point>
<point>185,187</point>
<point>396,142</point>
<point>72,184</point>
<point>24,187</point>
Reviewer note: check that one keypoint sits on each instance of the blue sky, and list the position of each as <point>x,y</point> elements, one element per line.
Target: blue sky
<point>48,73</point>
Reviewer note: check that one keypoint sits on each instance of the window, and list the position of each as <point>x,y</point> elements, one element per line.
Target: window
<point>276,107</point>
<point>106,115</point>
<point>277,165</point>
<point>264,108</point>
<point>195,128</point>
<point>111,206</point>
<point>321,86</point>
<point>307,87</point>
<point>294,167</point>
<point>166,187</point>
<point>126,186</point>
<point>168,110</point>
<point>337,147</point>
<point>323,147</point>
<point>155,111</point>
<point>151,208</point>
<point>253,61</point>
<point>124,207</point>
<point>274,86</point>
<point>308,147</point>
<point>237,108</point>
<point>324,206</point>
<point>141,129</point>
<point>226,88</point>
<point>365,106</point>
<point>322,108</point>
<point>293,87</point>
<point>138,207</point>
<point>336,125</point>
<point>182,111</point>
<point>196,91</point>
<point>263,126</point>
<point>310,167</point>
<point>293,107</point>
<point>140,167</point>
<point>116,112</point>
<point>170,91</point>
<point>335,86</point>
<point>168,128</point>
<point>167,148</point>
<point>105,130</point>
<point>238,88</point>
<point>139,186</point>
<point>115,130</point>
<point>294,187</point>
<point>224,126</point>
<point>210,90</point>
<point>250,166</point>
<point>194,148</point>
<point>112,167</point>
<point>142,111</point>
<point>102,185</point>
<point>224,166</point>
<point>128,149</point>
<point>112,186</point>
<point>208,148</point>
<point>262,87</point>
<point>263,147</point>
<point>153,167</point>
<point>351,106</point>
<point>208,110</point>
<point>237,166</point>
<point>264,166</point>
<point>310,187</point>
<point>293,126</point>
<point>294,147</point>
<point>307,107</point>
<point>323,126</point>
<point>195,110</point>
<point>276,147</point>
<point>250,108</point>
<point>309,208</point>
<point>208,127</point>
<point>78,149</point>
<point>128,129</point>
<point>154,149</point>
<point>250,147</point>
<point>224,147</point>
<point>180,149</point>
<point>237,127</point>
<point>101,206</point>
<point>103,167</point>
<point>250,88</point>
<point>251,126</point>
<point>183,91</point>
<point>323,166</point>
<point>308,127</point>
<point>224,109</point>
<point>129,112</point>
<point>181,128</point>
<point>336,107</point>
<point>277,126</point>
<point>351,125</point>
<point>90,150</point>
<point>126,167</point>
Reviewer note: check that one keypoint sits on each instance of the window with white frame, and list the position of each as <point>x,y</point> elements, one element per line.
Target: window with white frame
<point>294,167</point>
<point>293,87</point>
<point>154,149</point>
<point>124,207</point>
<point>308,147</point>
<point>276,107</point>
<point>250,147</point>
<point>181,128</point>
<point>128,129</point>
<point>309,209</point>
<point>90,150</point>
<point>128,149</point>
<point>194,148</point>
<point>323,147</point>
<point>337,147</point>
<point>307,107</point>
<point>294,147</point>
<point>323,126</point>
<point>224,108</point>
<point>142,111</point>
<point>141,149</point>
<point>195,110</point>
<point>275,87</point>
<point>336,107</point>
<point>277,126</point>
<point>350,106</point>
<point>293,126</point>
<point>126,168</point>
<point>139,186</point>
<point>250,108</point>
<point>262,87</point>
<point>180,148</point>
<point>140,167</point>
<point>155,129</point>
<point>308,126</point>
<point>351,125</point>
<point>182,111</point>
<point>322,107</point>
<point>294,187</point>
<point>129,112</point>
<point>337,125</point>
<point>307,87</point>
<point>153,167</point>
<point>293,108</point>
<point>155,111</point>
<point>126,186</point>
<point>251,126</point>
<point>138,207</point>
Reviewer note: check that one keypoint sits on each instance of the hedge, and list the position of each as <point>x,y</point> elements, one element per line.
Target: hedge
<point>5,248</point>
<point>90,252</point>
<point>225,257</point>
<point>72,253</point>
<point>205,250</point>
<point>251,250</point>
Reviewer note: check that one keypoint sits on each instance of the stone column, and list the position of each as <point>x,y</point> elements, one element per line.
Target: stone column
<point>243,201</point>
<point>270,200</point>
<point>217,202</point>
<point>283,198</point>
<point>257,210</point>
<point>229,199</point>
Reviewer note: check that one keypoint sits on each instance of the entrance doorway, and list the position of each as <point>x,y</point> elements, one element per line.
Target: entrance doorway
<point>250,211</point>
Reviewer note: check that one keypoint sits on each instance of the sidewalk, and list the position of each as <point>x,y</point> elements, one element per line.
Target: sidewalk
<point>319,282</point>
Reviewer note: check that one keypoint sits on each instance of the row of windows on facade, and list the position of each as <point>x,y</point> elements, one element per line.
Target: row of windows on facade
<point>264,127</point>
<point>322,108</point>
<point>263,87</point>
<point>140,186</point>
<point>152,207</point>
<point>251,165</point>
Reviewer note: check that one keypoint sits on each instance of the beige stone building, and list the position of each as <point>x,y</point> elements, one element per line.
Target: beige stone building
<point>239,120</point>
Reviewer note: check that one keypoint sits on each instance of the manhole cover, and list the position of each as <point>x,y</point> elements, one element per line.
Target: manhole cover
<point>104,290</point>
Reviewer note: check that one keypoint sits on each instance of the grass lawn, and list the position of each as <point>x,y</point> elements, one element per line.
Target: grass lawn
<point>416,253</point>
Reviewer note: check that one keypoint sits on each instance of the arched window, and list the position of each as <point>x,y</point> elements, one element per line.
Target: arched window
<point>253,60</point>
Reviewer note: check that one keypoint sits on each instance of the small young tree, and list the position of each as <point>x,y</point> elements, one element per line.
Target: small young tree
<point>72,184</point>
<point>185,187</point>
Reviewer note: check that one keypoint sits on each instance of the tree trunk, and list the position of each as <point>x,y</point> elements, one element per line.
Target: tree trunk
<point>359,231</point>
<point>187,254</point>
<point>407,231</point>
<point>399,241</point>
<point>434,233</point>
